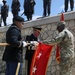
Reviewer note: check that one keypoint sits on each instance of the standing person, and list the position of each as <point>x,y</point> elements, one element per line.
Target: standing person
<point>13,52</point>
<point>29,48</point>
<point>46,7</point>
<point>4,12</point>
<point>0,16</point>
<point>65,40</point>
<point>29,8</point>
<point>0,20</point>
<point>15,7</point>
<point>71,5</point>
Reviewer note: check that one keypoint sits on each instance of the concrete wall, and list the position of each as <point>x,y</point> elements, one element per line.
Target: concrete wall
<point>49,31</point>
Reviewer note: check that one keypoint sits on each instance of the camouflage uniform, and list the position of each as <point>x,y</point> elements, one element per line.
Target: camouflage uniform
<point>66,41</point>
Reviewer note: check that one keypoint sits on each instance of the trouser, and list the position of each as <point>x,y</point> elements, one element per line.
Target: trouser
<point>71,5</point>
<point>66,65</point>
<point>47,6</point>
<point>13,68</point>
<point>65,69</point>
<point>28,65</point>
<point>29,15</point>
<point>15,13</point>
<point>0,25</point>
<point>4,19</point>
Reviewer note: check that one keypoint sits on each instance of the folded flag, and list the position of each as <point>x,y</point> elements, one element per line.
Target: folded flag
<point>40,59</point>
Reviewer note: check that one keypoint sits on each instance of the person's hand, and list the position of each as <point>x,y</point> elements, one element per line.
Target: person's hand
<point>34,47</point>
<point>35,43</point>
<point>24,44</point>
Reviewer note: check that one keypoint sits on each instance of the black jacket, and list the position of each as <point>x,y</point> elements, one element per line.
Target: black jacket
<point>29,7</point>
<point>29,51</point>
<point>13,52</point>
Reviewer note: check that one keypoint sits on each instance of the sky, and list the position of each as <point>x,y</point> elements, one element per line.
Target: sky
<point>57,6</point>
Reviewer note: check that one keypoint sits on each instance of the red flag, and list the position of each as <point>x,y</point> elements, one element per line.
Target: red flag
<point>40,59</point>
<point>62,17</point>
<point>58,53</point>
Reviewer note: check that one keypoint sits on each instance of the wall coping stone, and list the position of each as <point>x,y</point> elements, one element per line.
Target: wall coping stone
<point>43,21</point>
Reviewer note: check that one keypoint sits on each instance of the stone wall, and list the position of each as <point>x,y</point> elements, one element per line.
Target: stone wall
<point>48,25</point>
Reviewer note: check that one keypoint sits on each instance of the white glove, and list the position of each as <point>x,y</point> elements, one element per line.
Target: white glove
<point>24,44</point>
<point>34,42</point>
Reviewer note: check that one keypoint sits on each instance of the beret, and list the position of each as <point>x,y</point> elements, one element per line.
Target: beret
<point>18,18</point>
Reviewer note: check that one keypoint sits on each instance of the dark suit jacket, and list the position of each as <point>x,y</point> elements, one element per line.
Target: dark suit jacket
<point>13,52</point>
<point>29,7</point>
<point>29,51</point>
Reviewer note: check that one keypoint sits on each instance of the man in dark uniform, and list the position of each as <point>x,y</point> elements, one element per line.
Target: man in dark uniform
<point>15,7</point>
<point>4,12</point>
<point>29,8</point>
<point>0,20</point>
<point>46,7</point>
<point>13,52</point>
<point>29,48</point>
<point>0,16</point>
<point>71,5</point>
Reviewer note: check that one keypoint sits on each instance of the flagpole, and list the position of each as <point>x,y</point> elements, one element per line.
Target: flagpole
<point>3,44</point>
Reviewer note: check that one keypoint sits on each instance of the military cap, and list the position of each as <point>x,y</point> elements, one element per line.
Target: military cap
<point>37,28</point>
<point>4,1</point>
<point>61,23</point>
<point>18,18</point>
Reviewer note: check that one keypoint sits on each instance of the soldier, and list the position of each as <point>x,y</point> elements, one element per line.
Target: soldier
<point>0,16</point>
<point>71,5</point>
<point>15,7</point>
<point>46,7</point>
<point>29,8</point>
<point>0,20</point>
<point>4,12</point>
<point>65,40</point>
<point>29,48</point>
<point>13,52</point>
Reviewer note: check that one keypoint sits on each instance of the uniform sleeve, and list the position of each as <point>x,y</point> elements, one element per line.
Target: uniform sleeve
<point>56,40</point>
<point>12,37</point>
<point>27,38</point>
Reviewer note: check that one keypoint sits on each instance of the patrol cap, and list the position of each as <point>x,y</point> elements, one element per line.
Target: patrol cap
<point>37,28</point>
<point>18,18</point>
<point>4,1</point>
<point>61,23</point>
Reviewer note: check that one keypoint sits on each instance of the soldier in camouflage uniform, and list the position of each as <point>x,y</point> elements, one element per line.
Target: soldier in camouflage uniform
<point>65,40</point>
